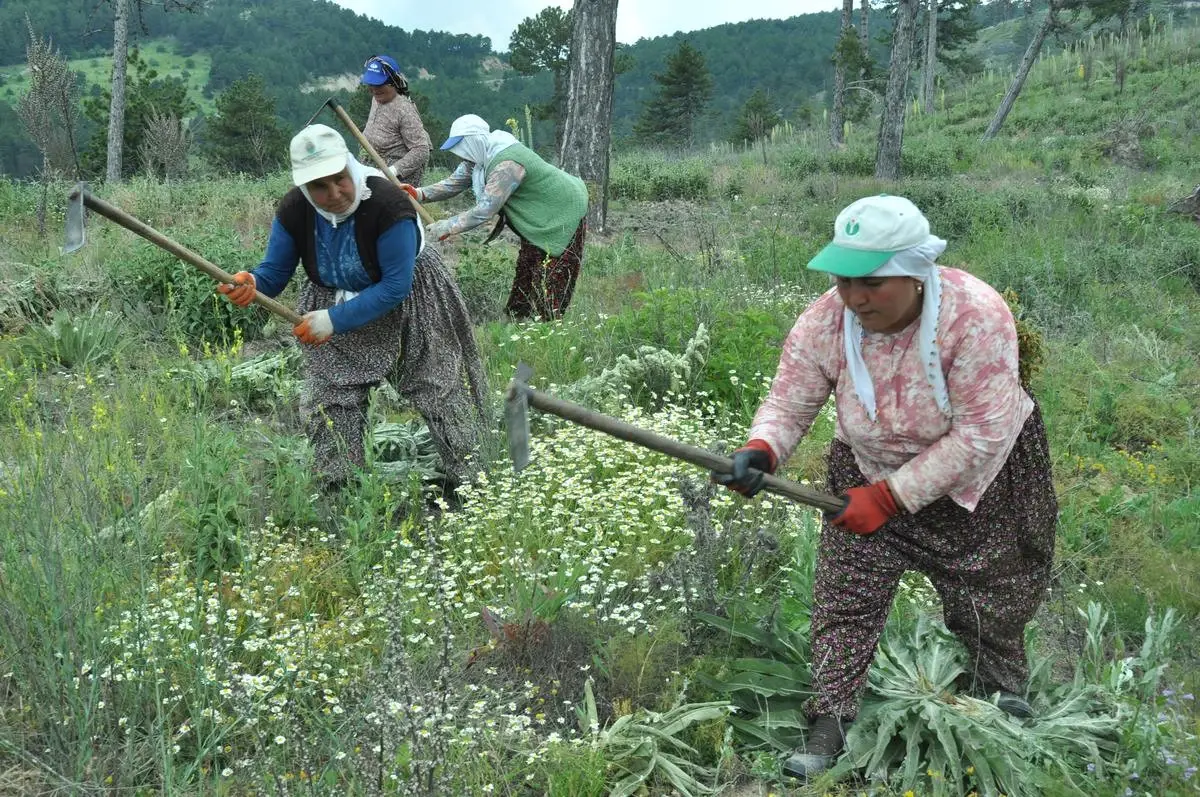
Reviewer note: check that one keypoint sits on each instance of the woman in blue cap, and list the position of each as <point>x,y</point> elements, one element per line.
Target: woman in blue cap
<point>544,205</point>
<point>394,125</point>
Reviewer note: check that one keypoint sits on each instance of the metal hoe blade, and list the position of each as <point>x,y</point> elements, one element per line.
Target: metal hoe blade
<point>516,417</point>
<point>75,235</point>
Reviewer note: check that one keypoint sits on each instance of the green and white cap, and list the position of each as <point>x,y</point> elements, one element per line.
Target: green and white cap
<point>868,233</point>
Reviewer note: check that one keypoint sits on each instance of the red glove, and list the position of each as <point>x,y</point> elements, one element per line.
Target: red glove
<point>241,291</point>
<point>412,191</point>
<point>867,508</point>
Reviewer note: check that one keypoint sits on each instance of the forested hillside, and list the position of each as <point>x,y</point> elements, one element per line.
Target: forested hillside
<point>306,50</point>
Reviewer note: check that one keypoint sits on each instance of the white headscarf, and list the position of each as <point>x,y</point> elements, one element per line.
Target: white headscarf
<point>918,262</point>
<point>359,172</point>
<point>479,149</point>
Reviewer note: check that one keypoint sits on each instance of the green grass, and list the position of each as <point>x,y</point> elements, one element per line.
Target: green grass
<point>160,54</point>
<point>182,611</point>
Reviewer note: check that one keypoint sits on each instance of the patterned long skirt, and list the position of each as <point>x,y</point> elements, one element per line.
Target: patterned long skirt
<point>991,568</point>
<point>544,284</point>
<point>425,347</point>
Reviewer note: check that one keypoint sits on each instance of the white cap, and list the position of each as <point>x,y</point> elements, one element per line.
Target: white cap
<point>868,233</point>
<point>317,151</point>
<point>469,125</point>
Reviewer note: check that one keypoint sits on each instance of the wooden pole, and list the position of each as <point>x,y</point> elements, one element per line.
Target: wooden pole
<point>375,156</point>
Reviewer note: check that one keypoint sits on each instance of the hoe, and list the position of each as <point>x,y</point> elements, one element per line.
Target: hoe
<point>516,414</point>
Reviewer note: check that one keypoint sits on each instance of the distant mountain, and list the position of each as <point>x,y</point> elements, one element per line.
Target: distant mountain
<point>309,49</point>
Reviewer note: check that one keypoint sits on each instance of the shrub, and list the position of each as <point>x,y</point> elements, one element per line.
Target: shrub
<point>193,310</point>
<point>484,275</point>
<point>73,342</point>
<point>800,164</point>
<point>852,162</point>
<point>649,178</point>
<point>927,159</point>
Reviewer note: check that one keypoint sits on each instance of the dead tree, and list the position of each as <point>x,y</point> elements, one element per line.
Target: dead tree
<point>891,124</point>
<point>837,119</point>
<point>863,32</point>
<point>120,69</point>
<point>587,130</point>
<point>1018,81</point>
<point>48,112</point>
<point>116,105</point>
<point>931,36</point>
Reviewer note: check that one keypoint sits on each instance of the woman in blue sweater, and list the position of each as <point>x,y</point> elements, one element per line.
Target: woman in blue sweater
<point>381,295</point>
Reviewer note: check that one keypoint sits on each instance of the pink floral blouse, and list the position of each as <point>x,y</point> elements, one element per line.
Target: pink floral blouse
<point>923,453</point>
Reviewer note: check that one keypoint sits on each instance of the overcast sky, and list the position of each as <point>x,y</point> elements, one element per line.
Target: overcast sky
<point>636,19</point>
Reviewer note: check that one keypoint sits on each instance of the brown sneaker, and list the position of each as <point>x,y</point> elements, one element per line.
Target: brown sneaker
<point>825,741</point>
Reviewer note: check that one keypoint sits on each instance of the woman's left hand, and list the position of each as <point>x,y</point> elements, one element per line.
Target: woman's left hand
<point>314,328</point>
<point>867,508</point>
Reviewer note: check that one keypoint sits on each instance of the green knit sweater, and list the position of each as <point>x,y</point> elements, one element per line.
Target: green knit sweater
<point>549,203</point>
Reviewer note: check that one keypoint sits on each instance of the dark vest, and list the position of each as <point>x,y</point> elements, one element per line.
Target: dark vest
<point>386,206</point>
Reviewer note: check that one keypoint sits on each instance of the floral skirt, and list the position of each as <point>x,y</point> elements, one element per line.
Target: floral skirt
<point>991,568</point>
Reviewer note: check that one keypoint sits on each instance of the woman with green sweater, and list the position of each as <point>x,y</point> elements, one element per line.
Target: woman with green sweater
<point>544,206</point>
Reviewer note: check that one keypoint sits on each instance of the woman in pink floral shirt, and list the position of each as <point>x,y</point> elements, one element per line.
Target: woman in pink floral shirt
<point>939,451</point>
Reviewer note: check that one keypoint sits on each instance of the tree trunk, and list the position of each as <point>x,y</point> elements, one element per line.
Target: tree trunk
<point>837,119</point>
<point>930,55</point>
<point>1018,82</point>
<point>116,109</point>
<point>891,125</point>
<point>587,128</point>
<point>864,40</point>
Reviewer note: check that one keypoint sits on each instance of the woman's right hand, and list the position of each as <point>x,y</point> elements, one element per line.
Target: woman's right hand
<point>750,463</point>
<point>241,291</point>
<point>412,191</point>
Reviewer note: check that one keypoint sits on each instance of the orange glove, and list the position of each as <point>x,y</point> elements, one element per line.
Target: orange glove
<point>314,328</point>
<point>867,508</point>
<point>241,291</point>
<point>412,191</point>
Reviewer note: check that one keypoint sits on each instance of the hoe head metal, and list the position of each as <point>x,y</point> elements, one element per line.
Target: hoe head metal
<point>75,236</point>
<point>516,417</point>
<point>322,107</point>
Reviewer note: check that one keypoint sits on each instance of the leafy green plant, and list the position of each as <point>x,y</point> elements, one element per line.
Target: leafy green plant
<point>654,178</point>
<point>643,750</point>
<point>767,690</point>
<point>185,299</point>
<point>484,275</point>
<point>404,448</point>
<point>81,341</point>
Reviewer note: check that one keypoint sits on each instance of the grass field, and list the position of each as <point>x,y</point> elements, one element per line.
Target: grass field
<point>160,54</point>
<point>183,611</point>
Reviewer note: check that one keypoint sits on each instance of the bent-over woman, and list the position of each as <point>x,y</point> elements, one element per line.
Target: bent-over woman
<point>377,304</point>
<point>544,205</point>
<point>939,450</point>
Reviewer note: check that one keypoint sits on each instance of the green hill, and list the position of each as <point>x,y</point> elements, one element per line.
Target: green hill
<point>287,43</point>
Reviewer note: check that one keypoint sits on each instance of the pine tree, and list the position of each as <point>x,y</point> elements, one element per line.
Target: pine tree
<point>756,119</point>
<point>683,96</point>
<point>245,135</point>
<point>146,94</point>
<point>544,42</point>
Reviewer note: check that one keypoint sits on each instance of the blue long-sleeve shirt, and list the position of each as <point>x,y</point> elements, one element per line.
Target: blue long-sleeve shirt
<point>339,265</point>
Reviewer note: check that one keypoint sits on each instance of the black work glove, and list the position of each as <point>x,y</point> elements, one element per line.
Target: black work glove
<point>749,465</point>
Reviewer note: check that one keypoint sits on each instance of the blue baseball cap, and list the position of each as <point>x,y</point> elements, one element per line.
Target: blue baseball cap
<point>374,72</point>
